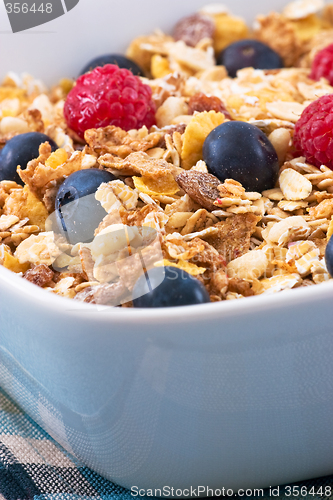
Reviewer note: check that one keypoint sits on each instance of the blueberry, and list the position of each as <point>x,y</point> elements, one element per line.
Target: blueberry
<point>248,53</point>
<point>329,256</point>
<point>240,151</point>
<point>178,288</point>
<point>121,61</point>
<point>19,151</point>
<point>78,213</point>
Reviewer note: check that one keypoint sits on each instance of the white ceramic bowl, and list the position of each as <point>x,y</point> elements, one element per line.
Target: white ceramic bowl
<point>236,394</point>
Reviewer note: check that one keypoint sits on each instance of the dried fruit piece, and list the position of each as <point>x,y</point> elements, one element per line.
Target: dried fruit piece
<point>194,28</point>
<point>195,134</point>
<point>39,275</point>
<point>201,187</point>
<point>201,102</point>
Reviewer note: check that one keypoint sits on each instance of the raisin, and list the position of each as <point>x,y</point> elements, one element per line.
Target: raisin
<point>194,28</point>
<point>39,275</point>
<point>202,102</point>
<point>201,187</point>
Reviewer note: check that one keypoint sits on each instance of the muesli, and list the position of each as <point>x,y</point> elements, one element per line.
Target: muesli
<point>237,241</point>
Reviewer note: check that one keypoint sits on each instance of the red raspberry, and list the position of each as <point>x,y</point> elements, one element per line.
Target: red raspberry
<point>322,65</point>
<point>109,95</point>
<point>313,135</point>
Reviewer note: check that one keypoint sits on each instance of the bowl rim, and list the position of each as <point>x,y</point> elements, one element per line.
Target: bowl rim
<point>214,310</point>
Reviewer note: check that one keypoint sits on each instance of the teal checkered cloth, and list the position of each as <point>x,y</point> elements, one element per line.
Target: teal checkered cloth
<point>34,467</point>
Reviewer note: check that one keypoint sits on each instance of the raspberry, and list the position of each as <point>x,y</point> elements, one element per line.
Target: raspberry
<point>322,65</point>
<point>109,95</point>
<point>313,135</point>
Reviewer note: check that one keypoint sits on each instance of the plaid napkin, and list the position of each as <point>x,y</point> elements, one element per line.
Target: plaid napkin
<point>34,467</point>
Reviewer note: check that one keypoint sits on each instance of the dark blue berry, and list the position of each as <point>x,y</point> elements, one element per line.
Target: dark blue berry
<point>178,288</point>
<point>78,213</point>
<point>329,256</point>
<point>19,151</point>
<point>121,61</point>
<point>240,151</point>
<point>248,53</point>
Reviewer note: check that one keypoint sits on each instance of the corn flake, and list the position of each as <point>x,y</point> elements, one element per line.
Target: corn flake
<point>13,264</point>
<point>228,29</point>
<point>164,185</point>
<point>195,134</point>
